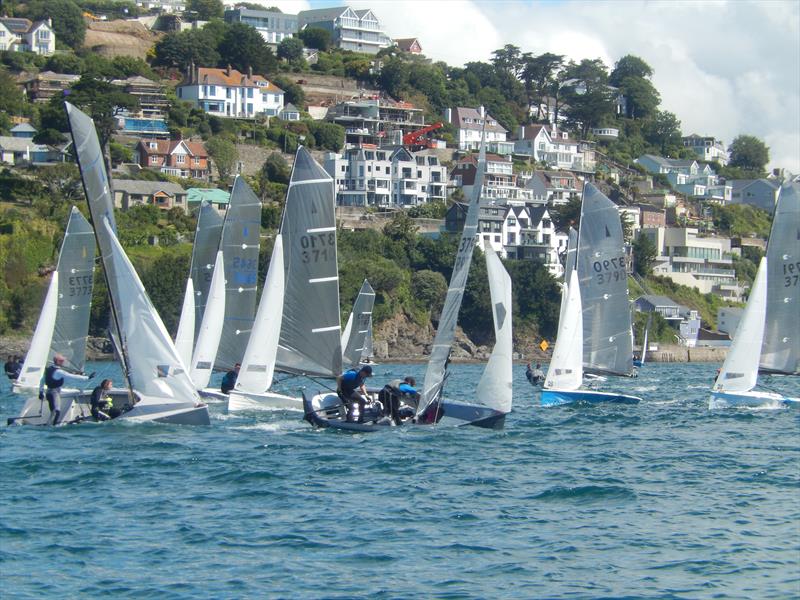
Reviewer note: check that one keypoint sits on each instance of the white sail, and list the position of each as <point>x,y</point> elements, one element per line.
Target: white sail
<point>494,387</point>
<point>566,367</point>
<point>367,353</point>
<point>208,339</point>
<point>569,267</point>
<point>446,331</point>
<point>359,321</point>
<point>258,364</point>
<point>348,328</point>
<point>184,339</point>
<point>38,354</point>
<point>155,370</point>
<point>739,372</point>
<point>644,343</point>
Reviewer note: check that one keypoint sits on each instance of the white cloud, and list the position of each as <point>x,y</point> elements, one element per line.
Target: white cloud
<point>723,67</point>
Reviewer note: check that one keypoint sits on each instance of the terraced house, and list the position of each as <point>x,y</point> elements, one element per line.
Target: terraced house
<point>230,93</point>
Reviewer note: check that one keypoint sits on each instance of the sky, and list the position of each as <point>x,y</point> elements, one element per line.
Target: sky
<point>724,67</point>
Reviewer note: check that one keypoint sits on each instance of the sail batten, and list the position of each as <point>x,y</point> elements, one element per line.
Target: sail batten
<point>601,267</point>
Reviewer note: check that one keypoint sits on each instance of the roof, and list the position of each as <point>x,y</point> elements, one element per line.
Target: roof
<point>740,184</point>
<point>537,214</point>
<point>232,78</point>
<point>52,76</point>
<point>17,25</point>
<point>529,132</point>
<point>320,14</point>
<point>168,146</point>
<point>290,108</point>
<point>460,113</point>
<point>405,43</point>
<point>657,301</point>
<point>23,127</point>
<point>212,195</point>
<point>18,144</point>
<point>148,188</point>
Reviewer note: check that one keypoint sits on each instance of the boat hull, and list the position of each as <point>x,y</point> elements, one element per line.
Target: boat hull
<point>561,397</point>
<point>638,364</point>
<point>238,400</point>
<point>193,415</point>
<point>751,399</point>
<point>212,395</point>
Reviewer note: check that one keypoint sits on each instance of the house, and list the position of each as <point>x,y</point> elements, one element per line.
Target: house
<point>23,130</point>
<point>350,29</point>
<point>554,187</point>
<point>651,216</point>
<point>22,35</point>
<point>470,123</point>
<point>554,148</point>
<point>274,26</point>
<point>22,150</point>
<point>164,6</point>
<point>386,177</point>
<point>217,198</point>
<point>408,45</point>
<point>230,93</point>
<point>689,178</point>
<point>499,182</point>
<point>760,193</point>
<point>43,86</point>
<point>706,148</point>
<point>163,194</point>
<point>375,120</point>
<point>289,113</point>
<point>704,263</point>
<point>180,158</point>
<point>728,318</point>
<point>152,97</point>
<point>666,307</point>
<point>513,231</point>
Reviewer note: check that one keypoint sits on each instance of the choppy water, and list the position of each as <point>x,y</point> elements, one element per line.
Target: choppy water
<point>660,500</point>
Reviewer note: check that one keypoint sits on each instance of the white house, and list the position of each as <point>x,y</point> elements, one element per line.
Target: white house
<point>230,93</point>
<point>689,178</point>
<point>554,187</point>
<point>554,147</point>
<point>706,148</point>
<point>22,35</point>
<point>470,122</point>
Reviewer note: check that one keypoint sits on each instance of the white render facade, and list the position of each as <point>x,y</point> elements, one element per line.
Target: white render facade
<point>554,148</point>
<point>470,123</point>
<point>350,29</point>
<point>386,177</point>
<point>706,148</point>
<point>229,93</point>
<point>22,35</point>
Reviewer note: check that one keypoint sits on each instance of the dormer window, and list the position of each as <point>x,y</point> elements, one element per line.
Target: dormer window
<point>152,145</point>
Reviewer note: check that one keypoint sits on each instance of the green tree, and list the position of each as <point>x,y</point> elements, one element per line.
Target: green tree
<point>567,215</point>
<point>629,66</point>
<point>749,153</point>
<point>275,169</point>
<point>293,93</point>
<point>394,76</point>
<point>11,100</point>
<point>429,289</point>
<point>181,49</point>
<point>244,48</point>
<point>664,132</point>
<point>328,136</point>
<point>206,9</point>
<point>103,101</point>
<point>587,95</point>
<point>539,75</point>
<point>316,37</point>
<point>644,255</point>
<point>64,63</point>
<point>290,49</point>
<point>508,59</point>
<point>224,153</point>
<point>67,19</point>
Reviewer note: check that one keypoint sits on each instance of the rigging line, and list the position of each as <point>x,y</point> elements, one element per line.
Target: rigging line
<point>318,382</point>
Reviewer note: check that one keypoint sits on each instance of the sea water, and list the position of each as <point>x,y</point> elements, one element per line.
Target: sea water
<point>665,499</point>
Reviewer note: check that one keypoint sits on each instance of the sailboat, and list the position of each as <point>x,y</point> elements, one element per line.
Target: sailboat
<point>63,325</point>
<point>303,280</point>
<point>738,376</point>
<point>354,337</point>
<point>210,333</point>
<point>603,297</point>
<point>159,386</point>
<point>639,362</point>
<point>780,353</point>
<point>493,393</point>
<point>368,353</point>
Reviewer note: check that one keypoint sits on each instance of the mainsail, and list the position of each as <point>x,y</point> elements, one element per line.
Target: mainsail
<point>569,266</point>
<point>204,251</point>
<point>781,350</point>
<point>208,339</point>
<point>739,372</point>
<point>446,332</point>
<point>607,345</point>
<point>566,366</point>
<point>494,388</point>
<point>368,352</point>
<point>240,244</point>
<point>258,364</point>
<point>184,339</point>
<point>361,318</point>
<point>310,340</point>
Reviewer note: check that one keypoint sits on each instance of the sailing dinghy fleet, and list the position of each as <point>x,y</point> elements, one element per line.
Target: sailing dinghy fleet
<point>296,328</point>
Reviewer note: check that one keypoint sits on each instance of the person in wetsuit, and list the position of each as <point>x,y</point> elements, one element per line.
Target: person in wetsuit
<point>352,389</point>
<point>229,381</point>
<point>102,405</point>
<point>50,387</point>
<point>12,367</point>
<point>393,392</point>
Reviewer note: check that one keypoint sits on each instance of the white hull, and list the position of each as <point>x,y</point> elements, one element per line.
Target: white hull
<point>212,395</point>
<point>195,415</point>
<point>751,399</point>
<point>238,400</point>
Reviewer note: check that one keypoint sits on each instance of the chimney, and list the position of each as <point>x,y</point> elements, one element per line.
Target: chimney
<point>250,71</point>
<point>448,115</point>
<point>228,70</point>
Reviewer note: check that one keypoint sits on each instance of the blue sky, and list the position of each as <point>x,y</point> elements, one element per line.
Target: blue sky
<point>724,67</point>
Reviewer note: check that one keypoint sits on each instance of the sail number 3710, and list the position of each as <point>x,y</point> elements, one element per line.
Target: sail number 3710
<point>319,246</point>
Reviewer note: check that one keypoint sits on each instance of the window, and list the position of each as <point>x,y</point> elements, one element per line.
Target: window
<point>228,93</point>
<point>249,92</point>
<point>512,238</point>
<point>249,108</point>
<point>497,239</point>
<point>180,92</point>
<point>212,90</point>
<point>180,159</point>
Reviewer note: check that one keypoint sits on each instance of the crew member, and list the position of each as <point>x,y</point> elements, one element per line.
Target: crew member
<point>351,387</point>
<point>54,376</point>
<point>12,367</point>
<point>536,376</point>
<point>102,404</point>
<point>229,381</point>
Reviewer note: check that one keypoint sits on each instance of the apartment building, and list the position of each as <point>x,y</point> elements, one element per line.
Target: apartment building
<point>350,29</point>
<point>230,93</point>
<point>274,26</point>
<point>386,177</point>
<point>499,182</point>
<point>376,121</point>
<point>152,97</point>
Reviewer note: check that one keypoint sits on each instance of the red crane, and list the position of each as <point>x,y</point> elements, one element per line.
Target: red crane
<point>412,139</point>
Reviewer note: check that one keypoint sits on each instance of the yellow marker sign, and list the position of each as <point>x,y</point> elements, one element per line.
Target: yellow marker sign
<point>544,345</point>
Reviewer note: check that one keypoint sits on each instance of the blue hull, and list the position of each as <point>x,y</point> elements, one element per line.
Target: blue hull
<point>638,363</point>
<point>560,397</point>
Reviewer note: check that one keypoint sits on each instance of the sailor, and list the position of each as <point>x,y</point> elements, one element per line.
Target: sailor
<point>12,367</point>
<point>351,388</point>
<point>54,376</point>
<point>535,376</point>
<point>229,381</point>
<point>102,404</point>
